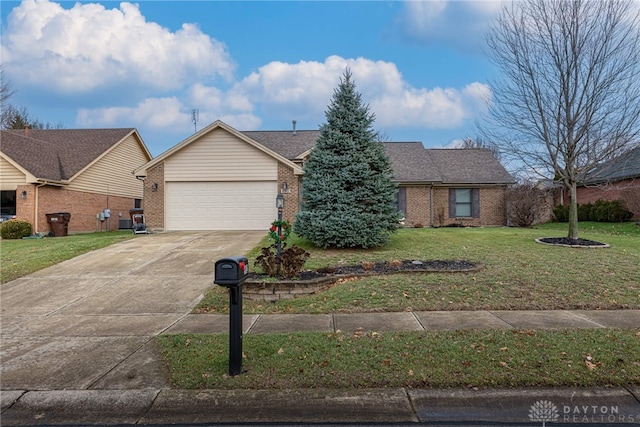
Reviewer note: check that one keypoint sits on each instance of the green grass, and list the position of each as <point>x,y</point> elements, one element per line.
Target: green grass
<point>21,257</point>
<point>513,358</point>
<point>519,273</point>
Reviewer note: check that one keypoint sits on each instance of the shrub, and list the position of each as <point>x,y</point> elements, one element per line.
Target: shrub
<point>600,211</point>
<point>15,229</point>
<point>610,211</point>
<point>525,204</point>
<point>584,212</point>
<point>291,260</point>
<point>561,213</point>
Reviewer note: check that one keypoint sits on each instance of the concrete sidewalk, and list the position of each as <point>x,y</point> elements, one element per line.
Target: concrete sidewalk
<point>410,321</point>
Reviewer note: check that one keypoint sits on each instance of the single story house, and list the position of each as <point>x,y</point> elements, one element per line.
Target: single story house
<point>79,171</point>
<point>223,179</point>
<point>618,179</point>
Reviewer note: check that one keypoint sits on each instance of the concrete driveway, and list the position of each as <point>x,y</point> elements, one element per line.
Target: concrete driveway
<point>90,322</point>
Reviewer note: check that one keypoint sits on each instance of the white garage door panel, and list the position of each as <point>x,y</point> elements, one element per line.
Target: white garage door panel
<point>220,205</point>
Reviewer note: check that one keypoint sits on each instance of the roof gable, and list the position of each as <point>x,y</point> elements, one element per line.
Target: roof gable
<point>218,124</point>
<point>61,154</point>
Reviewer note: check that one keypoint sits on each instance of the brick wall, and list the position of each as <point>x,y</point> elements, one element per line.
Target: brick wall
<point>418,206</point>
<point>154,199</point>
<point>612,191</point>
<point>492,208</point>
<point>82,206</point>
<point>291,202</point>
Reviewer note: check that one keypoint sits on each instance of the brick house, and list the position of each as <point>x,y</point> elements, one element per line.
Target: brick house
<point>80,171</point>
<point>618,179</point>
<point>223,179</point>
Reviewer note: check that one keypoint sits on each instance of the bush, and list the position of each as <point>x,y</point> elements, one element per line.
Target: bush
<point>525,204</point>
<point>291,260</point>
<point>561,213</point>
<point>15,229</point>
<point>584,212</point>
<point>600,211</point>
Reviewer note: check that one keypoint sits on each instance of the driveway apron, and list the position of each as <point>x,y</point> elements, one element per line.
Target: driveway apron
<point>90,322</point>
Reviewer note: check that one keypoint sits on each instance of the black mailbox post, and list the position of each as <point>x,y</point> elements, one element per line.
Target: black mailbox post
<point>231,272</point>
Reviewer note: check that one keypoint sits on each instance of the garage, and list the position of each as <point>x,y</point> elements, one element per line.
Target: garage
<point>241,205</point>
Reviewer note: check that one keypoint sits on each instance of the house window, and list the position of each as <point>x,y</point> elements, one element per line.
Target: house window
<point>464,203</point>
<point>401,201</point>
<point>137,203</point>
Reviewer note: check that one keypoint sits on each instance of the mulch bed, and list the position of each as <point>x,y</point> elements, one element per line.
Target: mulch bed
<point>385,268</point>
<point>566,241</point>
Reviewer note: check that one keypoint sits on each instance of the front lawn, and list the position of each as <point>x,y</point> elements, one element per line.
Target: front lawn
<point>488,358</point>
<point>21,257</point>
<point>519,273</point>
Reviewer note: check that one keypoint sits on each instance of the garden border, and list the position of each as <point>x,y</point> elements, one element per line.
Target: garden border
<point>265,290</point>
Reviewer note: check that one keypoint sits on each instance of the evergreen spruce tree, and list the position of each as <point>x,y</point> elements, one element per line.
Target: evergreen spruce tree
<point>348,196</point>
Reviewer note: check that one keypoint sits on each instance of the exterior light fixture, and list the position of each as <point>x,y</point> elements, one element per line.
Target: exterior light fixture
<point>280,204</point>
<point>23,195</point>
<point>154,186</point>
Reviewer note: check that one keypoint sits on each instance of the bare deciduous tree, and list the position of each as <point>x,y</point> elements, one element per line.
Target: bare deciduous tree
<point>478,142</point>
<point>6,91</point>
<point>570,97</point>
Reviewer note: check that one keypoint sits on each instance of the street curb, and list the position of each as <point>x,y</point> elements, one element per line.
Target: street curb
<point>524,406</point>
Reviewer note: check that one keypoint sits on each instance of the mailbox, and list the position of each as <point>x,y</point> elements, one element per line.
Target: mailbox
<point>231,271</point>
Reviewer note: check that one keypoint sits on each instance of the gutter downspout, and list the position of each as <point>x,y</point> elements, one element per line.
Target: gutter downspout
<point>431,205</point>
<point>36,206</point>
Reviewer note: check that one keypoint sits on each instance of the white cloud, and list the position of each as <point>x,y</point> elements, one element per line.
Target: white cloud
<point>304,90</point>
<point>457,24</point>
<point>89,47</point>
<point>168,114</point>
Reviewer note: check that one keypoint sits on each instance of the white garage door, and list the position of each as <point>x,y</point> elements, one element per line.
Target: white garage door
<point>220,205</point>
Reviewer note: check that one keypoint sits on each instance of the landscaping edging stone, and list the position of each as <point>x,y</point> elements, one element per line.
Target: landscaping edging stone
<point>593,245</point>
<point>267,290</point>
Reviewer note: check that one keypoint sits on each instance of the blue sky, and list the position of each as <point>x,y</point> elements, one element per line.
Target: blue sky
<point>255,65</point>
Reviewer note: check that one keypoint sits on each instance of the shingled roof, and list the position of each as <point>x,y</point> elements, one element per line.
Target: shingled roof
<point>286,143</point>
<point>58,154</point>
<point>411,161</point>
<point>625,166</point>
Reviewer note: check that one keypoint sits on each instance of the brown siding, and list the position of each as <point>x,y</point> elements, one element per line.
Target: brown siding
<point>154,200</point>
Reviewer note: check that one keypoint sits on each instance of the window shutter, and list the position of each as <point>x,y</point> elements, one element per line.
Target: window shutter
<point>452,203</point>
<point>475,203</point>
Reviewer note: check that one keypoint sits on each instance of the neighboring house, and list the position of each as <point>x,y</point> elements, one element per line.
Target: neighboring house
<point>80,171</point>
<point>618,179</point>
<point>224,179</point>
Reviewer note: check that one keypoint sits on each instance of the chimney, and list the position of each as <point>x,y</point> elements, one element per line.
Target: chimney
<point>26,130</point>
<point>294,127</point>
